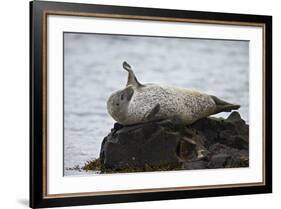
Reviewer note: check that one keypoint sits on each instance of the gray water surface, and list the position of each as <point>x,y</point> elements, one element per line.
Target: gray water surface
<point>93,70</point>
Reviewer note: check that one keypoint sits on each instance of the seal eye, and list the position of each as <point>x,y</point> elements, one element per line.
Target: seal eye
<point>122,96</point>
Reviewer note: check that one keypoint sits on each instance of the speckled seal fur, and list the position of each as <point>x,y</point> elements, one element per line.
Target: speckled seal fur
<point>140,103</point>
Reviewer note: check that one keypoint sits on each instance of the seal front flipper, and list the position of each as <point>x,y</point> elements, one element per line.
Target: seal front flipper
<point>127,93</point>
<point>132,80</point>
<point>223,106</point>
<point>151,113</point>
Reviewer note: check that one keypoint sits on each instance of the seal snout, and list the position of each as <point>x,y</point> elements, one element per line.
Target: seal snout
<point>110,104</point>
<point>116,105</point>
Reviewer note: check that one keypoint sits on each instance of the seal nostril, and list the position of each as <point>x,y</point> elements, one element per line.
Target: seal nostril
<point>117,104</point>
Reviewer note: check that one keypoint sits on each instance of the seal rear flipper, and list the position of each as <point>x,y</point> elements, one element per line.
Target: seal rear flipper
<point>223,106</point>
<point>151,113</point>
<point>226,108</point>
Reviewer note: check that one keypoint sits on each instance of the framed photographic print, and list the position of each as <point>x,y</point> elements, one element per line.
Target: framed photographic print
<point>139,104</point>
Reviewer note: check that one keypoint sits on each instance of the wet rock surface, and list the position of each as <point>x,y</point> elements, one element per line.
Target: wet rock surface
<point>170,145</point>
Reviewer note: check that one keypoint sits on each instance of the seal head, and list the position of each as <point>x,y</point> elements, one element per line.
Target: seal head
<point>117,103</point>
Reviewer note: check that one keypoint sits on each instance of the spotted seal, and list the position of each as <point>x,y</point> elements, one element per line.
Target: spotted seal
<point>140,103</point>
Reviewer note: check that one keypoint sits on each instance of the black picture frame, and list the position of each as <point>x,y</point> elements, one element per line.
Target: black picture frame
<point>38,11</point>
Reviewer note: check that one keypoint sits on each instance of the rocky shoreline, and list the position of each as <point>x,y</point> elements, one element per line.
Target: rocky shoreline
<point>170,145</point>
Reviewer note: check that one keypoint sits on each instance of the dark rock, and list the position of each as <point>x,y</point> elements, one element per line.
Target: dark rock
<point>139,145</point>
<point>195,164</point>
<point>169,144</point>
<point>226,157</point>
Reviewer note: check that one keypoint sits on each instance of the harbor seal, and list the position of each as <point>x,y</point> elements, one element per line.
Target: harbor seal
<point>140,103</point>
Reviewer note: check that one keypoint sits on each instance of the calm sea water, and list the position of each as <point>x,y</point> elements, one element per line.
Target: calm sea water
<point>93,70</point>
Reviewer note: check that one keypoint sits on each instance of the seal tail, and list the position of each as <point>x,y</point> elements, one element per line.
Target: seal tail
<point>223,106</point>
